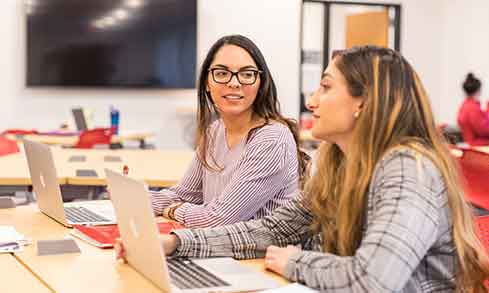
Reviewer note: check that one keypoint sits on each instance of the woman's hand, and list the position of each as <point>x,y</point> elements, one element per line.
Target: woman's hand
<point>276,258</point>
<point>168,241</point>
<point>120,253</point>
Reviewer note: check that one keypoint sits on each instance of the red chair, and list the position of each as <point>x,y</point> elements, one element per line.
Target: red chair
<point>8,146</point>
<point>16,131</point>
<point>474,166</point>
<point>482,226</point>
<point>97,136</point>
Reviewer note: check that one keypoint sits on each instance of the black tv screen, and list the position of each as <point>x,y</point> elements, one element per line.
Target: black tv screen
<point>111,43</point>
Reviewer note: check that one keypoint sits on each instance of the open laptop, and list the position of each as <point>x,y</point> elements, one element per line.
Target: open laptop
<point>80,119</point>
<point>48,192</point>
<point>144,251</point>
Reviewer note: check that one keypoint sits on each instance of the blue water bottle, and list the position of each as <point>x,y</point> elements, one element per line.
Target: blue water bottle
<point>114,120</point>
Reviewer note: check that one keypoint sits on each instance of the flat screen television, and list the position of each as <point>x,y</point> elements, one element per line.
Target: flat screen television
<point>111,43</point>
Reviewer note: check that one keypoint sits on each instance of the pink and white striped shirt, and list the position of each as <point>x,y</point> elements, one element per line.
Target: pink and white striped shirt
<point>259,175</point>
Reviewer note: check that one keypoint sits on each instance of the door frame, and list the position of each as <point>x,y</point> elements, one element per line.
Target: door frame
<point>327,17</point>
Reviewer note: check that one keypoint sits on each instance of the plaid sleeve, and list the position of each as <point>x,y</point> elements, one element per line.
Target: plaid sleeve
<point>288,224</point>
<point>402,225</point>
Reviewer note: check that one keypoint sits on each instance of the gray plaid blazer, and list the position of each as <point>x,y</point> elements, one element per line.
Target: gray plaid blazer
<point>407,243</point>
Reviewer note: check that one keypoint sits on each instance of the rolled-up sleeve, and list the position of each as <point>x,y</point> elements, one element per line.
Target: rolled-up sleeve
<point>288,224</point>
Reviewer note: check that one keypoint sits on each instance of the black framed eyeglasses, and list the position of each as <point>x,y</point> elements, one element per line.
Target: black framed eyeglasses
<point>245,76</point>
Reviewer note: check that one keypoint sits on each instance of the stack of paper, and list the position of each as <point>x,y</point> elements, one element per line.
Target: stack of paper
<point>10,239</point>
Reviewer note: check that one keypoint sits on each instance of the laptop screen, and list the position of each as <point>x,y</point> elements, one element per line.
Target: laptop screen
<point>79,117</point>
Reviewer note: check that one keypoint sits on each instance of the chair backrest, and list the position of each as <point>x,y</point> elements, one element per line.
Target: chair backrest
<point>451,133</point>
<point>482,225</point>
<point>16,131</point>
<point>474,166</point>
<point>8,146</point>
<point>97,136</point>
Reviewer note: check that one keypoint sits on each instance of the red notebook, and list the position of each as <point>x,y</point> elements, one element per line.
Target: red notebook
<point>105,236</point>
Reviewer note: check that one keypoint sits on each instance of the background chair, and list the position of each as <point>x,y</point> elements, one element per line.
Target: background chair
<point>451,133</point>
<point>482,226</point>
<point>474,166</point>
<point>8,146</point>
<point>97,136</point>
<point>16,131</point>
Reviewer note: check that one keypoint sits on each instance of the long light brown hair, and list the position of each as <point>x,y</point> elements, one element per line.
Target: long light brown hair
<point>395,113</point>
<point>266,105</point>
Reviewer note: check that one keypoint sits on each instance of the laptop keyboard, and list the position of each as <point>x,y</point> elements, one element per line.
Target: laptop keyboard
<point>186,274</point>
<point>81,214</point>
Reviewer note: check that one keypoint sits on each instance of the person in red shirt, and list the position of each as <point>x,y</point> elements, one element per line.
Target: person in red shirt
<point>472,120</point>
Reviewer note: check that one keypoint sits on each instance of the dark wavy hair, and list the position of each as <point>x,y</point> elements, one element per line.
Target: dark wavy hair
<point>265,106</point>
<point>471,84</point>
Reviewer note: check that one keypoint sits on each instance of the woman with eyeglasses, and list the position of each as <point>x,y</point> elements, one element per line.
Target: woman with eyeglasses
<point>247,160</point>
<point>383,211</point>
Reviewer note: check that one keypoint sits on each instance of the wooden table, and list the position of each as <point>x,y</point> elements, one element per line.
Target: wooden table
<point>158,168</point>
<point>17,278</point>
<point>71,140</point>
<point>92,270</point>
<point>15,171</point>
<point>484,149</point>
<point>307,140</point>
<point>306,135</point>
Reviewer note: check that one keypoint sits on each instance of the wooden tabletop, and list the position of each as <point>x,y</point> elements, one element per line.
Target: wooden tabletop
<point>92,270</point>
<point>158,168</point>
<point>484,149</point>
<point>71,140</point>
<point>17,278</point>
<point>306,135</point>
<point>14,170</point>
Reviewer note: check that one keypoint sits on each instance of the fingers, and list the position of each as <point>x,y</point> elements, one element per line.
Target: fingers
<point>270,257</point>
<point>272,249</point>
<point>120,253</point>
<point>276,258</point>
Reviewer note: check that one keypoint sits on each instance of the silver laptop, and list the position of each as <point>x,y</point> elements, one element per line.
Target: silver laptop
<point>144,252</point>
<point>80,119</point>
<point>48,193</point>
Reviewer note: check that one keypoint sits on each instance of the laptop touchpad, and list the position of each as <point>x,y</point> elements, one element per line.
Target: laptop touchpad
<point>226,265</point>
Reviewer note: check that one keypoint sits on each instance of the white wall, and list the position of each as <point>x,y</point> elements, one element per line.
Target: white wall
<point>275,27</point>
<point>443,39</point>
<point>465,48</point>
<point>421,41</point>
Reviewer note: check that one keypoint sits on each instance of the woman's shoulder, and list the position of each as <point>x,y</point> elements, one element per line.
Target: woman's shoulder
<point>411,164</point>
<point>273,131</point>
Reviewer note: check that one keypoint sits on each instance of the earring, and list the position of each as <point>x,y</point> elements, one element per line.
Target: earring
<point>356,114</point>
